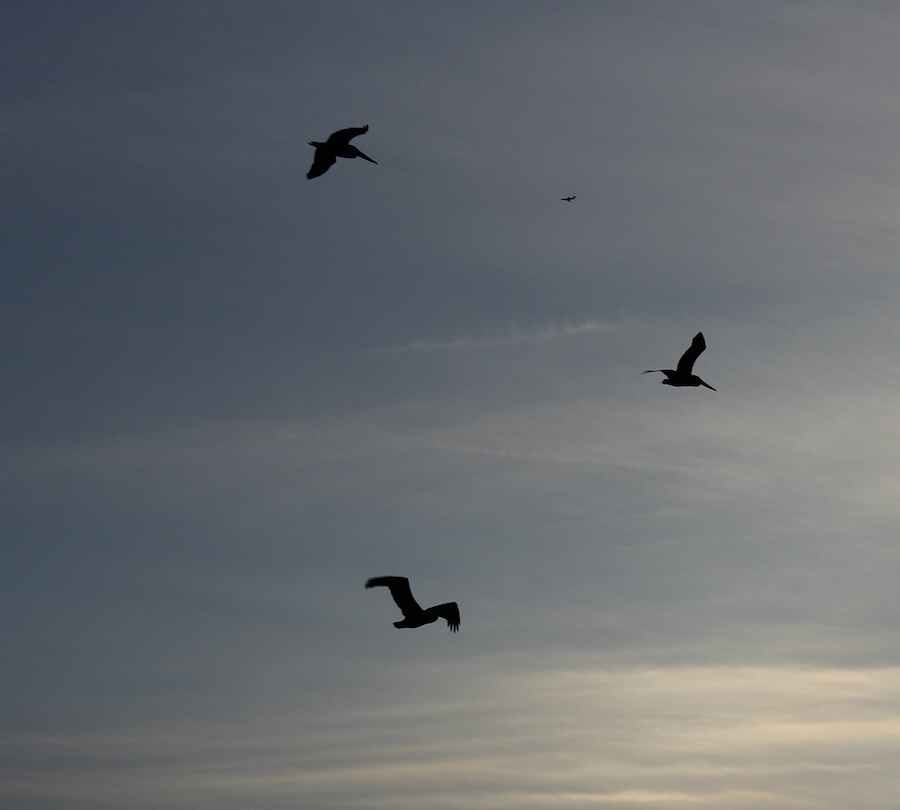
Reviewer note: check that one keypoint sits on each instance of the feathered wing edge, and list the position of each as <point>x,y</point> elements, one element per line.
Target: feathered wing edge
<point>450,612</point>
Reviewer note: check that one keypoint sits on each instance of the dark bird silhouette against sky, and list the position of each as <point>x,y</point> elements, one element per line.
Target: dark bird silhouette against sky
<point>568,199</point>
<point>413,615</point>
<point>337,145</point>
<point>683,376</point>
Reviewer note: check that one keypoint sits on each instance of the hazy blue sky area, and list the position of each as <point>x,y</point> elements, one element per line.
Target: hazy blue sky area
<point>231,394</point>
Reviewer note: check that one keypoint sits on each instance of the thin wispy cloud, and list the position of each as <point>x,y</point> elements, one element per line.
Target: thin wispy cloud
<point>515,337</point>
<point>695,737</point>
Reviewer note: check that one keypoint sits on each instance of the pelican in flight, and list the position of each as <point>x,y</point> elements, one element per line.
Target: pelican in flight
<point>683,376</point>
<point>413,615</point>
<point>568,199</point>
<point>337,145</point>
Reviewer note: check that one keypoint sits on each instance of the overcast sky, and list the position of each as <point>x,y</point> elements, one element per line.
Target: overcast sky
<point>231,394</point>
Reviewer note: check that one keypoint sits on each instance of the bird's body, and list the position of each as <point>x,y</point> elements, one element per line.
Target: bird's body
<point>337,145</point>
<point>568,199</point>
<point>683,376</point>
<point>413,614</point>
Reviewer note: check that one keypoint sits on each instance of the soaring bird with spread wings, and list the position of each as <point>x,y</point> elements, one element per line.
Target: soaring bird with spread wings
<point>413,615</point>
<point>683,375</point>
<point>337,145</point>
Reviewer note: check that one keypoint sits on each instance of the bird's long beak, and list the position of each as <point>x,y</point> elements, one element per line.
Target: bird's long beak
<point>706,384</point>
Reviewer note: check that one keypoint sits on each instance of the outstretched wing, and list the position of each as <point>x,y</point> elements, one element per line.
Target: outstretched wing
<point>343,136</point>
<point>450,612</point>
<point>324,159</point>
<point>687,359</point>
<point>399,587</point>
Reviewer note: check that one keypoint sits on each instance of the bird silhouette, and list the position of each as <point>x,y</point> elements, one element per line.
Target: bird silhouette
<point>568,199</point>
<point>413,615</point>
<point>337,145</point>
<point>683,376</point>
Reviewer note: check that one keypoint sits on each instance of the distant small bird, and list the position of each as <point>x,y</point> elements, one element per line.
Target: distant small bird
<point>337,145</point>
<point>568,199</point>
<point>682,375</point>
<point>413,615</point>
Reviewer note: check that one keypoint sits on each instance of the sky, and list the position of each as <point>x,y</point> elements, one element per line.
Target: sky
<point>230,395</point>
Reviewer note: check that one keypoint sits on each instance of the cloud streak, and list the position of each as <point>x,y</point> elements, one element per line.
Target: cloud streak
<point>756,738</point>
<point>515,337</point>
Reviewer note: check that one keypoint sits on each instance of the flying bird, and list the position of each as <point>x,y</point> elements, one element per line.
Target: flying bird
<point>413,615</point>
<point>337,145</point>
<point>683,376</point>
<point>568,199</point>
